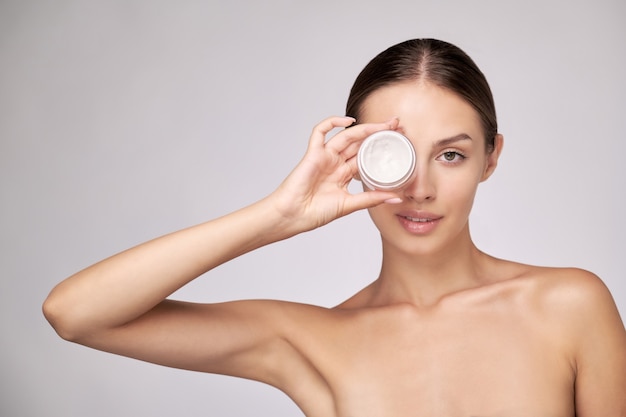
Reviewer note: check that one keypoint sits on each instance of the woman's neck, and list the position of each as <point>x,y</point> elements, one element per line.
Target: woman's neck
<point>423,279</point>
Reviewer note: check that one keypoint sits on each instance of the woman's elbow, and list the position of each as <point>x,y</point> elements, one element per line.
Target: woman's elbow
<point>62,316</point>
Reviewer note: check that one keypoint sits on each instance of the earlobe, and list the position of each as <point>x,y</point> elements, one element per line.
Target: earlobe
<point>493,156</point>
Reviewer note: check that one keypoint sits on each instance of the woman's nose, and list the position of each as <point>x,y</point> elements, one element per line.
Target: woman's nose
<point>421,187</point>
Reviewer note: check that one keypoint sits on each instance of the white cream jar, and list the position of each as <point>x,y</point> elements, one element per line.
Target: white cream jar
<point>386,160</point>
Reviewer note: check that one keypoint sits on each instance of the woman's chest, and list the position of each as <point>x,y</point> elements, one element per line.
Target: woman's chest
<point>478,365</point>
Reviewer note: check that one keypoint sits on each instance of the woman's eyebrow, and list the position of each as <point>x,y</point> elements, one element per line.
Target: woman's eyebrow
<point>442,143</point>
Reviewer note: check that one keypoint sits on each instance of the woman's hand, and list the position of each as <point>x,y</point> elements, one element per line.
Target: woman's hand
<point>316,191</point>
<point>119,304</point>
<point>99,301</point>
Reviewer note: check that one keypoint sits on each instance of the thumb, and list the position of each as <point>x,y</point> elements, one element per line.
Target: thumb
<point>368,199</point>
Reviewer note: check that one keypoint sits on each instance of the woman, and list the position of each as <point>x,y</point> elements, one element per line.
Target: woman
<point>445,330</point>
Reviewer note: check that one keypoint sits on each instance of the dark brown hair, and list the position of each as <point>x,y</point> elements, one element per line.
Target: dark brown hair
<point>434,61</point>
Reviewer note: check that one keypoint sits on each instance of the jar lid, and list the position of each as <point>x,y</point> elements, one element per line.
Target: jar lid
<point>386,160</point>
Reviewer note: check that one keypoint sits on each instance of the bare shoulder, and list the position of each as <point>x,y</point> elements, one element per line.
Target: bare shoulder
<point>582,296</point>
<point>579,309</point>
<point>571,296</point>
<point>574,291</point>
<point>572,311</point>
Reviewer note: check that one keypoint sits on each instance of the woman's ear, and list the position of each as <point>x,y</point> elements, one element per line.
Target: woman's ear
<point>493,156</point>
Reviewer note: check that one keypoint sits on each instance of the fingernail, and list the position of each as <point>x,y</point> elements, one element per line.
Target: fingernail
<point>395,200</point>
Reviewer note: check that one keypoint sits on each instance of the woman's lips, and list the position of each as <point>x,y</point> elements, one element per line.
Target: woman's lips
<point>420,223</point>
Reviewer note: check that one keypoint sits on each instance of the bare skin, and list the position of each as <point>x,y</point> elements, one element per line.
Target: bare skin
<point>445,330</point>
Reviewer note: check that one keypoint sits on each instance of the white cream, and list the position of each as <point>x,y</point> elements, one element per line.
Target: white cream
<point>386,160</point>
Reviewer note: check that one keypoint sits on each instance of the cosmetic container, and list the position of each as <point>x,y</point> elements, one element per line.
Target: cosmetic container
<point>386,160</point>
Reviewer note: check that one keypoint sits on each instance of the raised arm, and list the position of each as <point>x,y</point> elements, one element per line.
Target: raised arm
<point>119,304</point>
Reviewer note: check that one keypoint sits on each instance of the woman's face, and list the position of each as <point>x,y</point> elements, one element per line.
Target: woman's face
<point>451,161</point>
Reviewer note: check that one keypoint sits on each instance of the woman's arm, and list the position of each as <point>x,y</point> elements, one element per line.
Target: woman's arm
<point>119,304</point>
<point>600,346</point>
<point>119,289</point>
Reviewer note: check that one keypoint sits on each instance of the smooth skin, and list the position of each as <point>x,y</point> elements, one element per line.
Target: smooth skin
<point>445,330</point>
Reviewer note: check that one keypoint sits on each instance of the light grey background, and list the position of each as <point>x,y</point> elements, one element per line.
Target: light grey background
<point>124,120</point>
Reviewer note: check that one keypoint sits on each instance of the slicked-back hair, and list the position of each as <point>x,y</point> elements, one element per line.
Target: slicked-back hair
<point>434,61</point>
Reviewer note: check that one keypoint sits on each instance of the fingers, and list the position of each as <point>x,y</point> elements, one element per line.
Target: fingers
<point>348,143</point>
<point>340,142</point>
<point>349,151</point>
<point>369,199</point>
<point>318,136</point>
<point>349,140</point>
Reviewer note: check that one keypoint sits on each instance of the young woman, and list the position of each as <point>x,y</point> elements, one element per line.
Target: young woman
<point>445,330</point>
